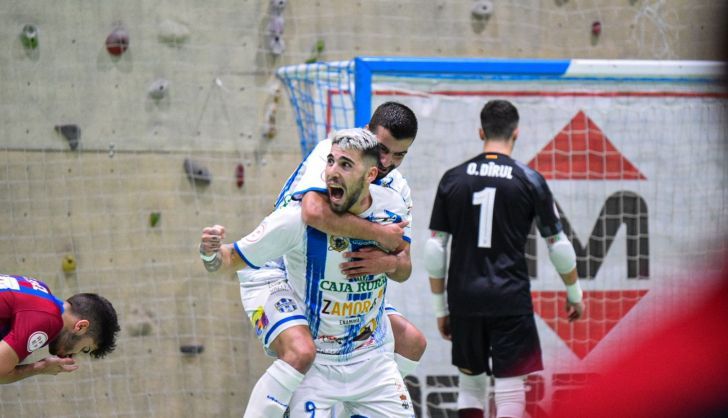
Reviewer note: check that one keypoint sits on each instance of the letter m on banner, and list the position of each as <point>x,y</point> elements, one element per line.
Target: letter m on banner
<point>582,152</point>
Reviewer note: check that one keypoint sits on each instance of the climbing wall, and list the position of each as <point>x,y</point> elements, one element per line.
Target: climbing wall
<point>129,126</point>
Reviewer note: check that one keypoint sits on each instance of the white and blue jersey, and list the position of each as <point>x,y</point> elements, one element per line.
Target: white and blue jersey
<point>345,315</point>
<point>309,176</point>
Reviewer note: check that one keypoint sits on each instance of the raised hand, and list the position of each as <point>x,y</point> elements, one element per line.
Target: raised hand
<point>212,238</point>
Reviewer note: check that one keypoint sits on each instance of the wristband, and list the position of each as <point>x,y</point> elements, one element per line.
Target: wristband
<point>439,304</point>
<point>574,294</point>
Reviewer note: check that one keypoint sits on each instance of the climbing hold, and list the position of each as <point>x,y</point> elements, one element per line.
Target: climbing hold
<point>158,89</point>
<point>197,173</point>
<point>192,349</point>
<point>139,321</point>
<point>240,175</point>
<point>482,9</point>
<point>276,25</point>
<point>139,329</point>
<point>316,51</point>
<point>277,94</point>
<point>277,6</point>
<point>269,123</point>
<point>68,264</point>
<point>72,133</point>
<point>112,150</point>
<point>173,33</point>
<point>118,41</point>
<point>276,44</point>
<point>154,218</point>
<point>29,36</point>
<point>596,28</point>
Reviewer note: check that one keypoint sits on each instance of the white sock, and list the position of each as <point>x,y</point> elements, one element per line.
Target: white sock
<point>405,365</point>
<point>472,391</point>
<point>510,397</point>
<point>273,391</point>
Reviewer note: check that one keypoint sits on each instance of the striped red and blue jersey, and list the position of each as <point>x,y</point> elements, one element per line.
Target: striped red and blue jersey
<point>30,316</point>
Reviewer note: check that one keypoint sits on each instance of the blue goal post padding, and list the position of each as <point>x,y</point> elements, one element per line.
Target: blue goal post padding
<point>355,80</point>
<point>365,68</point>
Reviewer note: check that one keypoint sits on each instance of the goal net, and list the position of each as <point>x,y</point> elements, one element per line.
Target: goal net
<point>633,152</point>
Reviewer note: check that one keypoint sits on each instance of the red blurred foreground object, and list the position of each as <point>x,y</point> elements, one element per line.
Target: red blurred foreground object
<point>679,370</point>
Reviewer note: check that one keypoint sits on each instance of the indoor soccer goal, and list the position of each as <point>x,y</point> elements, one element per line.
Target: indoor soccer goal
<point>633,152</point>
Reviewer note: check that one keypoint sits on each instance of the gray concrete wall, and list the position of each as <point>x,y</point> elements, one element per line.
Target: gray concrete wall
<point>95,205</point>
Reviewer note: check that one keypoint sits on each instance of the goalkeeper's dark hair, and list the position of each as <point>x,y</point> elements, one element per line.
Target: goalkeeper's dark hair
<point>399,119</point>
<point>499,118</point>
<point>103,322</point>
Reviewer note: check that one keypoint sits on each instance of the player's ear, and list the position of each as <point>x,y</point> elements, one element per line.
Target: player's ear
<point>372,174</point>
<point>515,133</point>
<point>81,326</point>
<point>481,132</point>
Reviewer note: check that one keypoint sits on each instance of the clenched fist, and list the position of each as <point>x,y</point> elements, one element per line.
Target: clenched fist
<point>212,238</point>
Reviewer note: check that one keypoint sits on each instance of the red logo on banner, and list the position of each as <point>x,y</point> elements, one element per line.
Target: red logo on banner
<point>602,311</point>
<point>581,151</point>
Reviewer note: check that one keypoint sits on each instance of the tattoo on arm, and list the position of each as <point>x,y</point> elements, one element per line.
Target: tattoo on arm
<point>211,265</point>
<point>214,264</point>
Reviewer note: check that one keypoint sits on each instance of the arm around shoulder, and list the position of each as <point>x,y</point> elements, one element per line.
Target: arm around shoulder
<point>316,212</point>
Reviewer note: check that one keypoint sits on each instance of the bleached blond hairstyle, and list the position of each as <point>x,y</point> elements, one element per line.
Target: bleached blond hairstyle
<point>360,140</point>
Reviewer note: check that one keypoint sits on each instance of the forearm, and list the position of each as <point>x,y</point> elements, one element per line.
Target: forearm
<point>21,372</point>
<point>404,267</point>
<point>570,277</point>
<point>225,262</point>
<point>563,257</point>
<point>438,297</point>
<point>317,213</point>
<point>437,285</point>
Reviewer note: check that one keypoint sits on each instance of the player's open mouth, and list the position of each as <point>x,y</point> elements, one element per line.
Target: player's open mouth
<point>336,193</point>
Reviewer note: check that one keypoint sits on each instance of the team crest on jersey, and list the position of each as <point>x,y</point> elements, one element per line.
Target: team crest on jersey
<point>285,305</point>
<point>338,243</point>
<point>259,320</point>
<point>37,340</point>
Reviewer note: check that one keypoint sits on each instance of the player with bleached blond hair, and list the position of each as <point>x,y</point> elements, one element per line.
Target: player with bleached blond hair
<point>284,334</point>
<point>354,363</point>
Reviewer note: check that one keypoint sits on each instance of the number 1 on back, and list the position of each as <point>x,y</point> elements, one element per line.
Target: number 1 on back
<point>485,198</point>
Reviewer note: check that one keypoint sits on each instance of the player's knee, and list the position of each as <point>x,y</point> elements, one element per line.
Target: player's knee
<point>408,340</point>
<point>300,354</point>
<point>418,342</point>
<point>295,346</point>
